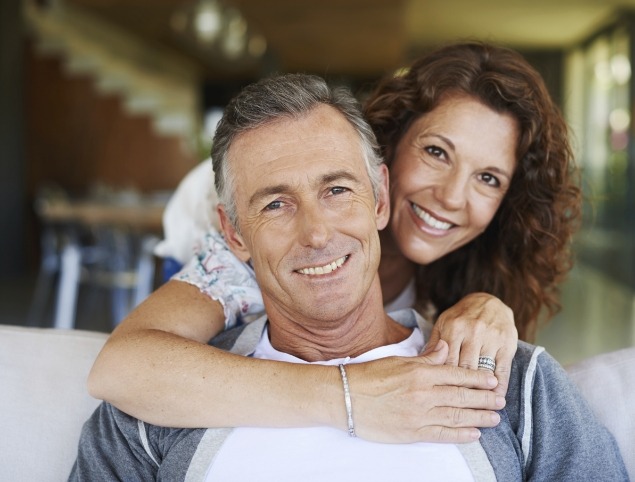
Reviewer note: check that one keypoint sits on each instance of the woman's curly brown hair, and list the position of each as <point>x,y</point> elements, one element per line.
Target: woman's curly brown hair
<point>525,251</point>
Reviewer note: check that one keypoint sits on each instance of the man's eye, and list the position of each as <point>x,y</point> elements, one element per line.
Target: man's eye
<point>339,190</point>
<point>273,205</point>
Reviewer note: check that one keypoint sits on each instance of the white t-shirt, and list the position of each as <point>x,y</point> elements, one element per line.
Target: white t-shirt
<point>318,454</point>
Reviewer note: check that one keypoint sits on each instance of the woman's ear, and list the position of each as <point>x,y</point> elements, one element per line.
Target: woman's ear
<point>232,236</point>
<point>382,206</point>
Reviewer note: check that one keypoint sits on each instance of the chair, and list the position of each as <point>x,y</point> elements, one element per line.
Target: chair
<point>95,243</point>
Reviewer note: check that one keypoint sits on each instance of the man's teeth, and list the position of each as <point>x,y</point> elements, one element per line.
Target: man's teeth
<point>429,220</point>
<point>323,269</point>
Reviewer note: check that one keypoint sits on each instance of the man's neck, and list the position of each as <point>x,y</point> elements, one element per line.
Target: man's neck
<point>395,270</point>
<point>363,329</point>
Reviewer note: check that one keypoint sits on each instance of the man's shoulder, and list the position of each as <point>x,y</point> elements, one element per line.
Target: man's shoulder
<point>534,371</point>
<point>241,339</point>
<point>535,357</point>
<point>526,352</point>
<point>410,318</point>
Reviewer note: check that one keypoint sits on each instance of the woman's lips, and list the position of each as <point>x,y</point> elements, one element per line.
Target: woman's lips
<point>430,220</point>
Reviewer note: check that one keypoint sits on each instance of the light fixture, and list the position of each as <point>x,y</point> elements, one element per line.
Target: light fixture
<point>208,21</point>
<point>621,68</point>
<point>218,27</point>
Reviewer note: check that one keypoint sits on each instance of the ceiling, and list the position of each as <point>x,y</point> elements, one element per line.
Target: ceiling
<point>364,38</point>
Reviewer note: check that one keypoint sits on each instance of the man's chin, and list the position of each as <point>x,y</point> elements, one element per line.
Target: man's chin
<point>331,309</point>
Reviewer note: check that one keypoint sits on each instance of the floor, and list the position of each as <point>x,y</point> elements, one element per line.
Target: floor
<point>598,314</point>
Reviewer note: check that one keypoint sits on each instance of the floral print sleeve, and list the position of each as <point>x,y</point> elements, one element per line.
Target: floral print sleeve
<point>220,275</point>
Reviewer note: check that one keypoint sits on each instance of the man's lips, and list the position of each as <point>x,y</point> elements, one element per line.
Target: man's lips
<point>430,220</point>
<point>323,269</point>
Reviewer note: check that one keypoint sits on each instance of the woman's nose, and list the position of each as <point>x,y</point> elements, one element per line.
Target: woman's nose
<point>452,191</point>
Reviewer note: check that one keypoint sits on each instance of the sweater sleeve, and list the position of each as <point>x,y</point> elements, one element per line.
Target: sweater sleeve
<point>565,441</point>
<point>116,446</point>
<point>110,448</point>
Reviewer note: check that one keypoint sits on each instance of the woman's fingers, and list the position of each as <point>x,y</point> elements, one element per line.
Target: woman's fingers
<point>504,359</point>
<point>469,354</point>
<point>480,328</point>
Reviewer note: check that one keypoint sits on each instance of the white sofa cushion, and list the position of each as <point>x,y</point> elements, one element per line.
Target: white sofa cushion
<point>44,403</point>
<point>43,399</point>
<point>607,381</point>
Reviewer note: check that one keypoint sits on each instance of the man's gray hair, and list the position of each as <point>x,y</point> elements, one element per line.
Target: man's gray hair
<point>274,98</point>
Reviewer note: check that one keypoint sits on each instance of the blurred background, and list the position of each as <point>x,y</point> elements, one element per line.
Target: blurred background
<point>106,104</point>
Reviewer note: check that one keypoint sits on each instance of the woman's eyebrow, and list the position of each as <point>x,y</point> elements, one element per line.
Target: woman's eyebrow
<point>500,171</point>
<point>445,139</point>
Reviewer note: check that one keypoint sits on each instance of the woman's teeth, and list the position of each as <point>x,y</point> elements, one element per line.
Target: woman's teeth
<point>324,269</point>
<point>429,220</point>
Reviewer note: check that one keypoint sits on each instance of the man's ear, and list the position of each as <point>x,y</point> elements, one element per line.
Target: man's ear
<point>234,239</point>
<point>382,206</point>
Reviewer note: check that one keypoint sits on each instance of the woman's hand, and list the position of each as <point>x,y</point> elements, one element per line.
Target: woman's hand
<point>478,325</point>
<point>419,399</point>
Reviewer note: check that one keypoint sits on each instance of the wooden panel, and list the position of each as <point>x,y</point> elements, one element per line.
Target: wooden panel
<point>76,137</point>
<point>341,37</point>
<point>358,38</point>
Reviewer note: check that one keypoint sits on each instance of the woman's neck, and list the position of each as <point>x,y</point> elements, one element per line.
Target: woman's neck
<point>395,270</point>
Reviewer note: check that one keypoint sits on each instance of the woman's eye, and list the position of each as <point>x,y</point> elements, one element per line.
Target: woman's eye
<point>490,180</point>
<point>436,152</point>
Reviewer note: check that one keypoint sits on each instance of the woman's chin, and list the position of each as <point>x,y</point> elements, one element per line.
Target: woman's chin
<point>423,254</point>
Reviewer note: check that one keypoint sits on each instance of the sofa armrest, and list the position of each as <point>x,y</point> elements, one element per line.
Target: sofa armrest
<point>44,402</point>
<point>607,382</point>
<point>43,399</point>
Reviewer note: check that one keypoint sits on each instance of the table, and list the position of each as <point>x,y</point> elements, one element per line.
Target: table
<point>122,258</point>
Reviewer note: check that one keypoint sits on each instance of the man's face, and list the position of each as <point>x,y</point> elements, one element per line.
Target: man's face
<point>307,216</point>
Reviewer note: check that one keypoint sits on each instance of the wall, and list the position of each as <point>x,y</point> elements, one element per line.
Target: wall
<point>76,137</point>
<point>12,190</point>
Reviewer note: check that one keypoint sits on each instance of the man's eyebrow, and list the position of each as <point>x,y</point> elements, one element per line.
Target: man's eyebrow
<point>268,191</point>
<point>283,188</point>
<point>342,174</point>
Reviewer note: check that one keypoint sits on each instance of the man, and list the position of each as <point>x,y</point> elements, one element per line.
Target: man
<point>302,198</point>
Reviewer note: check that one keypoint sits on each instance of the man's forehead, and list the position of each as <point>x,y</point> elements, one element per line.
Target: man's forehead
<point>311,148</point>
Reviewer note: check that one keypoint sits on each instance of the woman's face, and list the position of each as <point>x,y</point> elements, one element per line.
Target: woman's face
<point>449,175</point>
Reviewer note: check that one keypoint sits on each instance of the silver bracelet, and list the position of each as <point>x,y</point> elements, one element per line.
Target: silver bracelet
<point>347,402</point>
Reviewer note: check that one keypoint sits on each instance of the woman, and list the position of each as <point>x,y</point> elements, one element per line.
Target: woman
<point>462,131</point>
<point>523,254</point>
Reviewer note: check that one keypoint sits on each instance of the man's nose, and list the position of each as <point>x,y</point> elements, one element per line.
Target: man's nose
<point>314,226</point>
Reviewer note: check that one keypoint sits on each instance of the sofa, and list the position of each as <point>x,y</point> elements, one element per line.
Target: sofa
<point>43,400</point>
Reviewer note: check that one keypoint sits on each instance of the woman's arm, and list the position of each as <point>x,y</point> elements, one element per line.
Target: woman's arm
<point>157,367</point>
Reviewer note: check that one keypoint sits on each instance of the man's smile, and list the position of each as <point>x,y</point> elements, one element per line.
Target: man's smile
<point>324,269</point>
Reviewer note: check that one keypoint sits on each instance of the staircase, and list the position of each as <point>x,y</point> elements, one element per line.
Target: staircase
<point>150,81</point>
